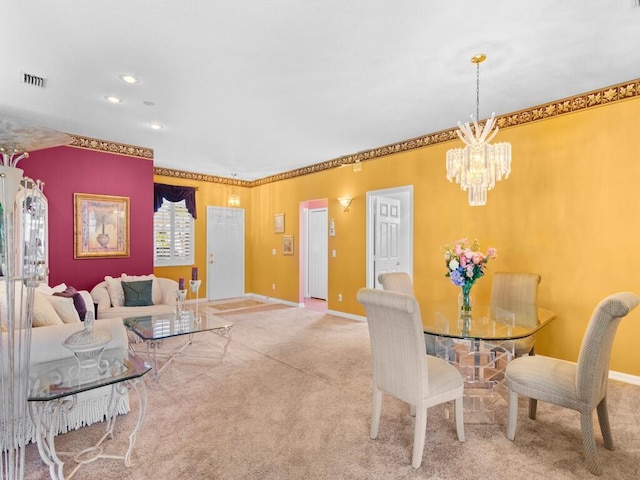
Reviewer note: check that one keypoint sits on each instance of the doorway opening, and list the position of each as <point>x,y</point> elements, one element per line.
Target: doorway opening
<point>389,232</point>
<point>314,254</point>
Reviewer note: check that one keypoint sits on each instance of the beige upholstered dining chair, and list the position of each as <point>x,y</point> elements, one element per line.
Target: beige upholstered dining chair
<point>402,368</point>
<point>397,282</point>
<point>509,288</point>
<point>579,386</point>
<point>401,282</point>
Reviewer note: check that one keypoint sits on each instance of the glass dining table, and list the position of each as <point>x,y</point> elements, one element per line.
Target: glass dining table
<point>480,344</point>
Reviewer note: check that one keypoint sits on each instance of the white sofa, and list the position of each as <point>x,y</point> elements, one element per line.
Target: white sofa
<point>108,295</point>
<point>55,318</point>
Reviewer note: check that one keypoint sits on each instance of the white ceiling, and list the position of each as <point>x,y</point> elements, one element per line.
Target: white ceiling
<point>258,87</point>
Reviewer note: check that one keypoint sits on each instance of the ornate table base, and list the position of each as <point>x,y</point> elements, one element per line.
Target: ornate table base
<point>46,428</point>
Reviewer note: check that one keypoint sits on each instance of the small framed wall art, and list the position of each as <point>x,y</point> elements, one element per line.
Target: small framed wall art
<point>101,226</point>
<point>278,223</point>
<point>287,244</point>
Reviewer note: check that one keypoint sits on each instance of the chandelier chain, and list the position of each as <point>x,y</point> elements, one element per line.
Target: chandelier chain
<point>477,92</point>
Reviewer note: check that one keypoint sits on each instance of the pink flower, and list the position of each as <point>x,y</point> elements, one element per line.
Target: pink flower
<point>463,260</point>
<point>492,253</point>
<point>477,258</point>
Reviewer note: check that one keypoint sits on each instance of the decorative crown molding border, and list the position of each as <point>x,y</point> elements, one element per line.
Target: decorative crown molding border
<point>595,98</point>
<point>167,172</point>
<point>111,147</point>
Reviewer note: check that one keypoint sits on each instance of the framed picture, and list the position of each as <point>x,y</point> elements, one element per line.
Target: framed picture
<point>287,244</point>
<point>278,223</point>
<point>101,226</point>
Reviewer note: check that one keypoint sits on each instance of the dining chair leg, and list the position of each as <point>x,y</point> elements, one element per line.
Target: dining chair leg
<point>419,436</point>
<point>603,420</point>
<point>533,407</point>
<point>459,402</point>
<point>512,414</point>
<point>412,410</point>
<point>589,443</point>
<point>375,412</point>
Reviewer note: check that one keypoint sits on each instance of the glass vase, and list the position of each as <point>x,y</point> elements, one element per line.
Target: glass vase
<point>465,300</point>
<point>181,296</point>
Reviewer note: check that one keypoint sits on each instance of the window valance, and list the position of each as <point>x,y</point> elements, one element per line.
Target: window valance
<point>174,193</point>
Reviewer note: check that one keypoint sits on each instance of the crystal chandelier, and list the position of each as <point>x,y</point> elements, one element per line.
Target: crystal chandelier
<point>478,165</point>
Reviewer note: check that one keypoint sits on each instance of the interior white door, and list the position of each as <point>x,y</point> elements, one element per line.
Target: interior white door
<point>225,252</point>
<point>386,238</point>
<point>318,253</point>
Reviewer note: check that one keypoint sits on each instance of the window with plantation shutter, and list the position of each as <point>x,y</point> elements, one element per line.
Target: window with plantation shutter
<point>173,234</point>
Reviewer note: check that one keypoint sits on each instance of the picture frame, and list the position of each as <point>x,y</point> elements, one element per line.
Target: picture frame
<point>287,244</point>
<point>278,223</point>
<point>101,226</point>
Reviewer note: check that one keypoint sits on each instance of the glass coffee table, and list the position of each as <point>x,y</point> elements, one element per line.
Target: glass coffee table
<point>54,385</point>
<point>154,329</point>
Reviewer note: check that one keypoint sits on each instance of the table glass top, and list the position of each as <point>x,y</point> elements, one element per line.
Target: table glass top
<point>60,378</point>
<point>156,327</point>
<point>487,322</point>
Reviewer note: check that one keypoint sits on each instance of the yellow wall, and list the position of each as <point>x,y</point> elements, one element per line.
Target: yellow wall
<point>567,212</point>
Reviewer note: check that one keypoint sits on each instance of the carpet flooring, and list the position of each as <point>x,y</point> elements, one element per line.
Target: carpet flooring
<point>291,399</point>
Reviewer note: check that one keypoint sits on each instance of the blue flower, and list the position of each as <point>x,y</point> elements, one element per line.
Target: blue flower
<point>457,278</point>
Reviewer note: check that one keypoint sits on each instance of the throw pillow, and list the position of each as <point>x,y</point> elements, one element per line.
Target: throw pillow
<point>116,294</point>
<point>64,308</point>
<point>156,291</point>
<point>44,314</point>
<point>78,301</point>
<point>137,294</point>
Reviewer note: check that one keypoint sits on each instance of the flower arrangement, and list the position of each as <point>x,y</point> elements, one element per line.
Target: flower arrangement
<point>465,263</point>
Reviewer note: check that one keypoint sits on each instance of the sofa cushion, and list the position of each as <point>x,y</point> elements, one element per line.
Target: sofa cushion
<point>65,308</point>
<point>137,294</point>
<point>44,314</point>
<point>156,291</point>
<point>116,294</point>
<point>78,301</point>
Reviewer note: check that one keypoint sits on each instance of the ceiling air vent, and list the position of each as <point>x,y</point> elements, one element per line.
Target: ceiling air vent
<point>33,80</point>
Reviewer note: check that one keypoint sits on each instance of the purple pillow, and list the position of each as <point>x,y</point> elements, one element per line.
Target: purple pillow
<point>78,301</point>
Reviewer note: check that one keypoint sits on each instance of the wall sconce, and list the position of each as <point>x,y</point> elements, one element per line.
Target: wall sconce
<point>233,200</point>
<point>345,202</point>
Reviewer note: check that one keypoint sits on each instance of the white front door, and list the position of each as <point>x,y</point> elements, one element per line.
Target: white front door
<point>387,235</point>
<point>225,252</point>
<point>318,253</point>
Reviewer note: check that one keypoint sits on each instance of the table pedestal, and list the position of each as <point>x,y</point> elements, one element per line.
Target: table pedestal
<point>482,366</point>
<point>46,429</point>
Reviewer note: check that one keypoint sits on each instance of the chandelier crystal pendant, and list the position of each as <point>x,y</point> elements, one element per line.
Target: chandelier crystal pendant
<point>478,165</point>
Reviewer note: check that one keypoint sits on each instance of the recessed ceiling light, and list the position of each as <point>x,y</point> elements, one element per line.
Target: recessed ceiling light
<point>129,79</point>
<point>156,126</point>
<point>112,99</point>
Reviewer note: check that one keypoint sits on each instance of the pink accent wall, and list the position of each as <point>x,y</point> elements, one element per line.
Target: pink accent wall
<point>69,170</point>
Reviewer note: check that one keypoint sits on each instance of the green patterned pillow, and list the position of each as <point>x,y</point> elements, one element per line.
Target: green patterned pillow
<point>137,294</point>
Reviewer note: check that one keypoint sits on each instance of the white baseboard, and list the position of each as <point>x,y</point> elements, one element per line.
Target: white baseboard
<point>625,377</point>
<point>347,315</point>
<point>274,300</point>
